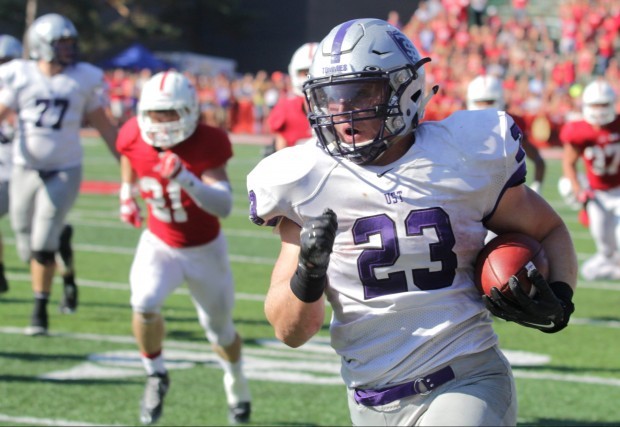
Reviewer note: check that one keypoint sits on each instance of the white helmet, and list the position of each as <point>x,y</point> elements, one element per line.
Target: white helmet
<point>376,75</point>
<point>300,63</point>
<point>485,89</point>
<point>168,90</point>
<point>43,35</point>
<point>599,101</point>
<point>10,48</point>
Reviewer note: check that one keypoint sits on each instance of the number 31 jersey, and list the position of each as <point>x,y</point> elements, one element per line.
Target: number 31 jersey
<point>50,111</point>
<point>401,272</point>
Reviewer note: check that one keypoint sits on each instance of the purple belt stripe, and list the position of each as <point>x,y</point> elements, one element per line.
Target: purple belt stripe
<point>422,385</point>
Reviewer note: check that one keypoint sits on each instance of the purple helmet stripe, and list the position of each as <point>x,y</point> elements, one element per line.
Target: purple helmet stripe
<point>338,38</point>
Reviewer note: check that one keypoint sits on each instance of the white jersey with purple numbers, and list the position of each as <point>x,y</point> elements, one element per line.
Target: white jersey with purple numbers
<point>50,111</point>
<point>401,272</point>
<point>6,150</point>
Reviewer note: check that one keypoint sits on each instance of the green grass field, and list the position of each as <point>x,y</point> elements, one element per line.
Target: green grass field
<point>88,371</point>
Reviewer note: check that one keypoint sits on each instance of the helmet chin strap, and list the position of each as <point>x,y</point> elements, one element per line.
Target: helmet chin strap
<point>428,97</point>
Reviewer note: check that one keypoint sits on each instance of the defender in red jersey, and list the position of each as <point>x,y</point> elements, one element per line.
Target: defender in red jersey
<point>178,166</point>
<point>288,119</point>
<point>595,140</point>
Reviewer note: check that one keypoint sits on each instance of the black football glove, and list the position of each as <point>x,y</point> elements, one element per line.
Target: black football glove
<point>548,311</point>
<point>316,241</point>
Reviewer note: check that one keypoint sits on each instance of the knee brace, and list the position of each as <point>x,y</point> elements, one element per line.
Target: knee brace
<point>44,257</point>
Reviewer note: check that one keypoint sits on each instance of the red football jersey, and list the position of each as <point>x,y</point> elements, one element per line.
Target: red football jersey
<point>289,118</point>
<point>600,150</point>
<point>172,214</point>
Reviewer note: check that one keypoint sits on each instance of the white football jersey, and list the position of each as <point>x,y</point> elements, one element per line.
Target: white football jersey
<point>401,272</point>
<point>50,111</point>
<point>7,131</point>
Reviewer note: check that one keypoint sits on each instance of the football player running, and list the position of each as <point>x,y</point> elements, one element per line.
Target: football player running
<point>487,92</point>
<point>52,95</point>
<point>595,139</point>
<point>385,216</point>
<point>10,48</point>
<point>179,168</point>
<point>288,118</point>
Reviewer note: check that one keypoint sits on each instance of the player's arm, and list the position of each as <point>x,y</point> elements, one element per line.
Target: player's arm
<point>522,210</point>
<point>280,142</point>
<point>100,121</point>
<point>211,192</point>
<point>129,209</point>
<point>5,112</point>
<point>294,321</point>
<point>570,157</point>
<point>533,154</point>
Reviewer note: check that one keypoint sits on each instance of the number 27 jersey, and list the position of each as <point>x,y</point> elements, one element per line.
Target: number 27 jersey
<point>401,272</point>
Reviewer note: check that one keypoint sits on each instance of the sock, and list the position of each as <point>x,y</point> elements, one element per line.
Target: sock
<point>153,363</point>
<point>235,384</point>
<point>68,279</point>
<point>39,311</point>
<point>232,368</point>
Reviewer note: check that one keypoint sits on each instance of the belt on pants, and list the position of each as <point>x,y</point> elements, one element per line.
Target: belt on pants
<point>422,385</point>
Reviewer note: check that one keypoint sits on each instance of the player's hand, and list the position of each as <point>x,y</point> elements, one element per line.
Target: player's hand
<point>548,310</point>
<point>130,212</point>
<point>169,165</point>
<point>316,242</point>
<point>585,195</point>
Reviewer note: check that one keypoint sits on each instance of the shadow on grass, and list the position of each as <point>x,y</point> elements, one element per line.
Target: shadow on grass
<point>71,382</point>
<point>568,369</point>
<point>556,422</point>
<point>39,357</point>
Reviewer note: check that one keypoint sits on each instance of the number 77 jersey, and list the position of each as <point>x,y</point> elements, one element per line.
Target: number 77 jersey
<point>401,271</point>
<point>50,111</point>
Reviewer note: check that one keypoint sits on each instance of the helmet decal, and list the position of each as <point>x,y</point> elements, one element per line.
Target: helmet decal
<point>405,46</point>
<point>336,50</point>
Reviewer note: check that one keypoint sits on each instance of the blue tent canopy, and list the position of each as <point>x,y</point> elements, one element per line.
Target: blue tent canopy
<point>136,57</point>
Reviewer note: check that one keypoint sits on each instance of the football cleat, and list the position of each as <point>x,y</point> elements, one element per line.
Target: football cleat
<point>240,413</point>
<point>38,322</point>
<point>35,331</point>
<point>152,404</point>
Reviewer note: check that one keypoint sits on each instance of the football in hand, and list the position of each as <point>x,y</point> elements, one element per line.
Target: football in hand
<point>507,255</point>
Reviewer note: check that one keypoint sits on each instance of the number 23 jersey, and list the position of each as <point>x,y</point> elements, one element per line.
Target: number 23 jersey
<point>401,272</point>
<point>50,111</point>
<point>173,216</point>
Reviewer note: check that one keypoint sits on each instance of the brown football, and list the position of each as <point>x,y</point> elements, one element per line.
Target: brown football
<point>510,254</point>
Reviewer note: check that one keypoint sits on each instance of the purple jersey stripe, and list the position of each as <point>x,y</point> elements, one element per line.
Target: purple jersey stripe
<point>338,39</point>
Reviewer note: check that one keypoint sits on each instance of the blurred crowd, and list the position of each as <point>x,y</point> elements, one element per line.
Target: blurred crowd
<point>543,76</point>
